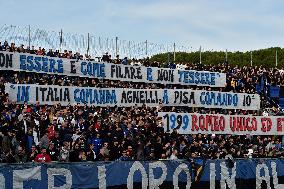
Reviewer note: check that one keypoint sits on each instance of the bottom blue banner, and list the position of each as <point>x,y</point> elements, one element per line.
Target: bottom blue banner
<point>230,174</point>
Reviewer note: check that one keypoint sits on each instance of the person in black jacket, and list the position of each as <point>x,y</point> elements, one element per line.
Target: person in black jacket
<point>21,156</point>
<point>50,53</point>
<point>33,153</point>
<point>91,155</point>
<point>74,154</point>
<point>52,152</point>
<point>7,157</point>
<point>106,58</point>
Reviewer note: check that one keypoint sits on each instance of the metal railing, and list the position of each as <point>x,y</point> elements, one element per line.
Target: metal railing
<point>84,43</point>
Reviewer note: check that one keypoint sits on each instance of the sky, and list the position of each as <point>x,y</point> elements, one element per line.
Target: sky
<point>236,25</point>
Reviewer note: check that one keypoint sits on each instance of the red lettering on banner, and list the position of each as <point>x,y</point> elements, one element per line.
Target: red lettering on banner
<point>232,124</point>
<point>222,123</point>
<point>236,123</point>
<point>216,123</point>
<point>246,124</point>
<point>201,122</point>
<point>266,124</point>
<point>269,124</point>
<point>254,124</point>
<point>263,121</point>
<point>240,121</point>
<point>194,123</point>
<point>243,124</point>
<point>208,122</point>
<point>279,124</point>
<point>250,124</point>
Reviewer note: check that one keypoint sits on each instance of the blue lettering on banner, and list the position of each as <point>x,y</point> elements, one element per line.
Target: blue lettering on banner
<point>93,69</point>
<point>30,61</point>
<point>95,99</point>
<point>180,72</point>
<point>213,78</point>
<point>37,66</point>
<point>50,65</point>
<point>94,96</point>
<point>83,69</point>
<point>45,64</point>
<point>197,81</point>
<point>60,66</point>
<point>23,62</point>
<point>76,97</point>
<point>149,74</point>
<point>102,97</point>
<point>82,96</point>
<point>166,97</point>
<point>129,97</point>
<point>202,98</point>
<point>88,95</point>
<point>235,99</point>
<point>30,66</point>
<point>41,64</point>
<point>185,120</point>
<point>175,121</point>
<point>23,94</point>
<point>102,70</point>
<point>219,99</point>
<point>191,77</point>
<point>194,77</point>
<point>229,99</point>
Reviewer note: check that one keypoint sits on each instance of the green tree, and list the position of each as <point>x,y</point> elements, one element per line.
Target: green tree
<point>261,57</point>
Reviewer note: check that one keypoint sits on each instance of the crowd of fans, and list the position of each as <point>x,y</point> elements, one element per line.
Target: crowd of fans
<point>79,133</point>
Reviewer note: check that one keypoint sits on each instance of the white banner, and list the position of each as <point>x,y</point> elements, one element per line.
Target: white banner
<point>193,123</point>
<point>51,94</point>
<point>69,67</point>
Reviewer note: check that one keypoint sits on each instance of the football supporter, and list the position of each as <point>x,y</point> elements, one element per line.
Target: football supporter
<point>120,133</point>
<point>43,157</point>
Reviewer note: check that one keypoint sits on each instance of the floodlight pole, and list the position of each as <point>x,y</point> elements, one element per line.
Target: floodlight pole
<point>251,58</point>
<point>88,43</point>
<point>200,61</point>
<point>116,46</point>
<point>276,59</point>
<point>29,36</point>
<point>174,52</point>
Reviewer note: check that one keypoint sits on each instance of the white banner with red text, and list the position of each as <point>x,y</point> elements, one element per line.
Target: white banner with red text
<point>194,123</point>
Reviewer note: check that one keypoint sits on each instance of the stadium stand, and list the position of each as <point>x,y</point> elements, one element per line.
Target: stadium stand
<point>77,133</point>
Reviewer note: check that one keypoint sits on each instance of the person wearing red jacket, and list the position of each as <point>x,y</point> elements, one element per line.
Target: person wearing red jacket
<point>43,157</point>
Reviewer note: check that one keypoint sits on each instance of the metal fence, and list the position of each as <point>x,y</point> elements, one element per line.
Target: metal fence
<point>85,44</point>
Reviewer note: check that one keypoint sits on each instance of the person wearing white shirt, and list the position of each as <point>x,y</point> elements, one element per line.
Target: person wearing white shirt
<point>174,155</point>
<point>265,113</point>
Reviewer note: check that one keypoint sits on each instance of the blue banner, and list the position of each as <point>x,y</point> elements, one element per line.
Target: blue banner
<point>217,174</point>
